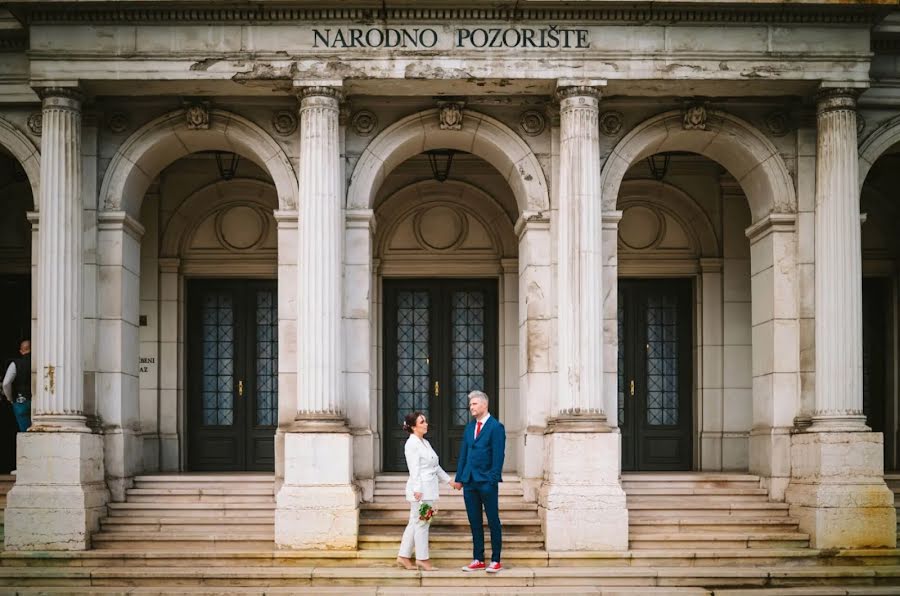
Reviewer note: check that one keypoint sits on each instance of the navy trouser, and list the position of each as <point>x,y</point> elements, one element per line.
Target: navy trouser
<point>484,496</point>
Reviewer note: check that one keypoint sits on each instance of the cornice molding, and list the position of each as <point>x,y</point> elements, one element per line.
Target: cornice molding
<point>774,14</point>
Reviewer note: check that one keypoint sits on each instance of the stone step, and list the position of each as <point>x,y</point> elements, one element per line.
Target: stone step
<point>200,498</point>
<point>688,476</point>
<point>717,540</point>
<point>711,500</point>
<point>696,490</point>
<point>710,524</point>
<point>207,490</point>
<point>401,504</point>
<point>629,485</point>
<point>402,516</point>
<point>508,478</point>
<point>461,525</point>
<point>175,509</point>
<point>512,555</point>
<point>222,540</point>
<point>445,493</point>
<point>177,526</point>
<point>517,578</point>
<point>665,505</point>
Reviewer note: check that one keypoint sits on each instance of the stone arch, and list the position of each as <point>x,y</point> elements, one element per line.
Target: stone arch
<point>880,140</point>
<point>744,151</point>
<point>162,141</point>
<point>676,204</point>
<point>480,135</point>
<point>197,207</point>
<point>23,150</point>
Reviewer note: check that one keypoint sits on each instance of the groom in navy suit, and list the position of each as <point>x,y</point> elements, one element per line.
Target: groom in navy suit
<point>478,470</point>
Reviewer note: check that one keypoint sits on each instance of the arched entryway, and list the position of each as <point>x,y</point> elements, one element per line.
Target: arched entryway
<point>761,176</point>
<point>189,222</point>
<point>459,236</point>
<point>879,179</point>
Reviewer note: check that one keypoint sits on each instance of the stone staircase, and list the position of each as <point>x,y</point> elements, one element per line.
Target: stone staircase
<point>698,534</point>
<point>706,511</point>
<point>892,479</point>
<point>6,484</point>
<point>218,512</point>
<point>383,520</point>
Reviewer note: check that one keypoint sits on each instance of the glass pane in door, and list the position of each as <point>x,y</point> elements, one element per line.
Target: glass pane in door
<point>217,394</point>
<point>467,320</point>
<point>266,358</point>
<point>662,360</point>
<point>413,352</point>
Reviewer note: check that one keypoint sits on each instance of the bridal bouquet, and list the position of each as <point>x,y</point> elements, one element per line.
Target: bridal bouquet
<point>426,512</point>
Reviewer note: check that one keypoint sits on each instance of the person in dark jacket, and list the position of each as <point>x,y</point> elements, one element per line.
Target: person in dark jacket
<point>17,385</point>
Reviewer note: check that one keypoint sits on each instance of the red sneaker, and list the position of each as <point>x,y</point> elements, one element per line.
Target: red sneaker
<point>494,567</point>
<point>475,565</point>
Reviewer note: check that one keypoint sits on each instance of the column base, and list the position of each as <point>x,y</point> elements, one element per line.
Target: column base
<point>317,505</point>
<point>770,458</point>
<point>582,503</point>
<point>59,495</point>
<point>837,490</point>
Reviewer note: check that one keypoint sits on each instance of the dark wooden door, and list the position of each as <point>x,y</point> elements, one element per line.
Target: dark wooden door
<point>232,374</point>
<point>878,359</point>
<point>440,343</point>
<point>15,304</point>
<point>655,374</point>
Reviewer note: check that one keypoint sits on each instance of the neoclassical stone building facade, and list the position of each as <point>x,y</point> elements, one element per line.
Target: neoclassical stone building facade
<point>662,238</point>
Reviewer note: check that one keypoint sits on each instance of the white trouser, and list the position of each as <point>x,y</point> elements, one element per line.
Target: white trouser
<point>415,534</point>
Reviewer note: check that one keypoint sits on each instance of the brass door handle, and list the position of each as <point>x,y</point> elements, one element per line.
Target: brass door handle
<point>241,388</point>
<point>437,389</point>
<point>631,388</point>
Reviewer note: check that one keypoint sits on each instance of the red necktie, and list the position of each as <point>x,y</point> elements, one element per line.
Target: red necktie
<point>477,429</point>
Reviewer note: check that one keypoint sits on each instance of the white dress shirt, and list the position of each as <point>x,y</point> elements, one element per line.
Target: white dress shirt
<point>425,473</point>
<point>8,381</point>
<point>482,421</point>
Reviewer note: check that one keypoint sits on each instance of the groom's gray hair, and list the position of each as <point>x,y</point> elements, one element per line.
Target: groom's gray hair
<point>479,394</point>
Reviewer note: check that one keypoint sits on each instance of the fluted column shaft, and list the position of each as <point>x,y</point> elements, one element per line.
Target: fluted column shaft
<point>580,266</point>
<point>320,239</point>
<point>838,266</point>
<point>59,400</point>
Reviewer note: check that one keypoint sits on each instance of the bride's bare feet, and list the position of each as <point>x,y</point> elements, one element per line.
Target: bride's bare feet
<point>405,562</point>
<point>425,565</point>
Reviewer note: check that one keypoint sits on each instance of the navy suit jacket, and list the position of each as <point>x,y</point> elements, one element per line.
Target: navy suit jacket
<point>481,459</point>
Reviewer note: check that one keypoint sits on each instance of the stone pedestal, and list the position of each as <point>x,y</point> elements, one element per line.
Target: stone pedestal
<point>316,507</point>
<point>59,495</point>
<point>838,492</point>
<point>582,503</point>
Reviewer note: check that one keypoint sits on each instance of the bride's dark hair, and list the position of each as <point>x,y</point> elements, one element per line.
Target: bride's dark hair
<point>410,421</point>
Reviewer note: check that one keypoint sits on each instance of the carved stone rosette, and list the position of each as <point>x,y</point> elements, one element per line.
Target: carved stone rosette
<point>364,122</point>
<point>284,122</point>
<point>611,123</point>
<point>532,122</point>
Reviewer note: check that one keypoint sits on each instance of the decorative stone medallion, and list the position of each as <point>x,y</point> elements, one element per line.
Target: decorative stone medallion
<point>611,123</point>
<point>451,115</point>
<point>694,117</point>
<point>860,124</point>
<point>117,122</point>
<point>36,123</point>
<point>240,227</point>
<point>440,228</point>
<point>364,122</point>
<point>197,115</point>
<point>641,227</point>
<point>284,122</point>
<point>532,123</point>
<point>778,123</point>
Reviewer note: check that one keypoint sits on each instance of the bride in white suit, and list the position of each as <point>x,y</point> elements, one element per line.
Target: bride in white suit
<point>423,486</point>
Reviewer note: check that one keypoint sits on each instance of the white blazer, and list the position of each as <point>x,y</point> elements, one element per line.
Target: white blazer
<point>425,473</point>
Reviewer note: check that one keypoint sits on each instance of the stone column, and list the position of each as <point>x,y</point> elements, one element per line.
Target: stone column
<point>59,493</point>
<point>582,502</point>
<point>837,488</point>
<point>317,504</point>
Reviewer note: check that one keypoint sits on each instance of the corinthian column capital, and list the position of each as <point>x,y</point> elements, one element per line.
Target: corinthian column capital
<point>829,99</point>
<point>319,93</point>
